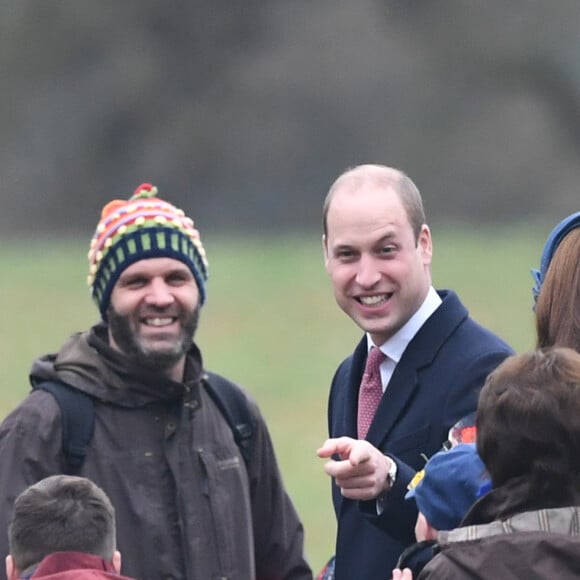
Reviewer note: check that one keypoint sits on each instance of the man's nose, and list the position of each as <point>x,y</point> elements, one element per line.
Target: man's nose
<point>159,293</point>
<point>368,273</point>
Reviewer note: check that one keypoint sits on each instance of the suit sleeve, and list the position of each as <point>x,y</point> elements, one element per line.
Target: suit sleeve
<point>30,450</point>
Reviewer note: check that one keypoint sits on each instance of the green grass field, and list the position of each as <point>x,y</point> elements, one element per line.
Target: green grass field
<point>271,324</point>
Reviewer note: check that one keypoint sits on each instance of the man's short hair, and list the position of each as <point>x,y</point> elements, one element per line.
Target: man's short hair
<point>528,423</point>
<point>387,178</point>
<point>61,513</point>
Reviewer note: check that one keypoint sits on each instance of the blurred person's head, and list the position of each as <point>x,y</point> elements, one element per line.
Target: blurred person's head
<point>61,513</point>
<point>557,290</point>
<point>148,273</point>
<point>377,248</point>
<point>445,489</point>
<point>528,424</point>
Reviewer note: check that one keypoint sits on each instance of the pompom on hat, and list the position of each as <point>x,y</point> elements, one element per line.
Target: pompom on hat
<point>142,227</point>
<point>556,236</point>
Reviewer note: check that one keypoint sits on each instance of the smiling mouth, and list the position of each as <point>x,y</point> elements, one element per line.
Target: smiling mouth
<point>158,321</point>
<point>374,300</point>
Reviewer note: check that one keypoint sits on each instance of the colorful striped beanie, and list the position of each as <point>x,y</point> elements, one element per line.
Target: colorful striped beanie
<point>142,227</point>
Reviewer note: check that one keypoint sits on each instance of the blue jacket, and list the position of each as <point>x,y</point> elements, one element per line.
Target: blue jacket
<point>435,384</point>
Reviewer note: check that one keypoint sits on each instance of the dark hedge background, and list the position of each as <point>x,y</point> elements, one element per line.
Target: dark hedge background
<point>244,113</point>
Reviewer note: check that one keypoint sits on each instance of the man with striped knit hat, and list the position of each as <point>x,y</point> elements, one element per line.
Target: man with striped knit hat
<point>196,498</point>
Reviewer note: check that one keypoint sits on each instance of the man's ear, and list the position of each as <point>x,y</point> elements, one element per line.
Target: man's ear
<point>325,250</point>
<point>117,561</point>
<point>425,244</point>
<point>11,571</point>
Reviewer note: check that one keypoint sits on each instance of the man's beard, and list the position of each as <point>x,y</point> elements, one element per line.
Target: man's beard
<point>134,347</point>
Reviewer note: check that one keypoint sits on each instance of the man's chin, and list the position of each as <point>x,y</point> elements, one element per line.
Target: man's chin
<point>161,348</point>
<point>160,340</point>
<point>159,359</point>
<point>152,337</point>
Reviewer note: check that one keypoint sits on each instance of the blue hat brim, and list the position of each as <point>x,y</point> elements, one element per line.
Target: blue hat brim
<point>556,236</point>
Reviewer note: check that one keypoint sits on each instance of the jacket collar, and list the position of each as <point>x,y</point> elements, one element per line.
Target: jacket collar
<point>64,561</point>
<point>564,520</point>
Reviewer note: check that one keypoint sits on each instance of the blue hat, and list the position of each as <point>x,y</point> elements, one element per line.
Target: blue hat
<point>448,486</point>
<point>552,243</point>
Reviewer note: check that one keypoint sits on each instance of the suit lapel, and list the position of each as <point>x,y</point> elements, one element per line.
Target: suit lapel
<point>419,354</point>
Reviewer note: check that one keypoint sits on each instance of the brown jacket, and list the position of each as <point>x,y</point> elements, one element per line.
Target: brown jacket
<point>187,507</point>
<point>535,545</point>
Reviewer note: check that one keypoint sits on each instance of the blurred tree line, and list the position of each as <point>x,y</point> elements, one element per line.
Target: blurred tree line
<point>244,113</point>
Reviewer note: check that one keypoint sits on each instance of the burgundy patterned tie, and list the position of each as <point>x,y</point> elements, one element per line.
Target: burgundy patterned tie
<point>370,392</point>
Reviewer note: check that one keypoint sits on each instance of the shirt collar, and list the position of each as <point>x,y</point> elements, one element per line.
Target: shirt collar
<point>395,346</point>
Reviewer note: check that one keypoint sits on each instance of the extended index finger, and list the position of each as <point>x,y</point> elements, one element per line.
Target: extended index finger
<point>336,446</point>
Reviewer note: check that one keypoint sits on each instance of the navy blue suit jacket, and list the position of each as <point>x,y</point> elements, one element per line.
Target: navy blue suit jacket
<point>435,384</point>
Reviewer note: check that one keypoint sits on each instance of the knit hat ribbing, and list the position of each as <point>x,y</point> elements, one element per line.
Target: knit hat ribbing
<point>142,227</point>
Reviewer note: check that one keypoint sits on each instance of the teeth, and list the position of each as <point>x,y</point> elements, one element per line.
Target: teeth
<point>158,321</point>
<point>372,300</point>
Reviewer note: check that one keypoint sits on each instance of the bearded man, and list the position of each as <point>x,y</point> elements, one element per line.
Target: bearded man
<point>190,505</point>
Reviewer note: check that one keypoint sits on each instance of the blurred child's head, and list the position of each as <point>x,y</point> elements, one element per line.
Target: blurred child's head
<point>446,489</point>
<point>528,423</point>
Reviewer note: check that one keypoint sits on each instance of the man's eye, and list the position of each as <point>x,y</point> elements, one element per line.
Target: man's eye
<point>386,250</point>
<point>135,283</point>
<point>177,279</point>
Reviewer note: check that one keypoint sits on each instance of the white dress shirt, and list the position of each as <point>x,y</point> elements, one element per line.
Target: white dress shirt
<point>395,346</point>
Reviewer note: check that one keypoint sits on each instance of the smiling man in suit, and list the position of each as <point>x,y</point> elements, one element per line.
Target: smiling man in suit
<point>431,361</point>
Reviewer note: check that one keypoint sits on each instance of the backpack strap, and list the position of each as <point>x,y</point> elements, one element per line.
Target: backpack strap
<point>78,421</point>
<point>78,417</point>
<point>233,405</point>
